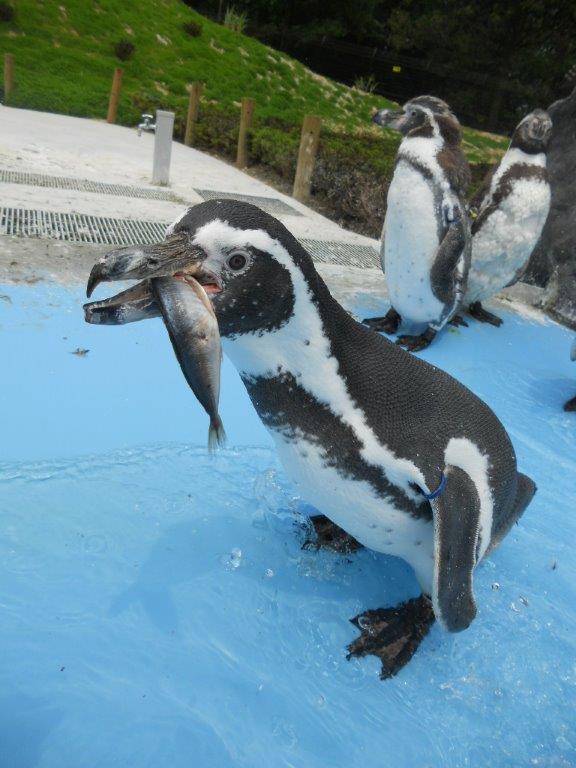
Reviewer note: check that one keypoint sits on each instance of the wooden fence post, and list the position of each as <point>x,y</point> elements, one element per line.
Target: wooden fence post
<point>306,157</point>
<point>114,96</point>
<point>193,109</point>
<point>8,75</point>
<point>246,114</point>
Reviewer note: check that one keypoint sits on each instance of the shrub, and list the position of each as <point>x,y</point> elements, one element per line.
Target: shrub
<point>366,83</point>
<point>192,28</point>
<point>6,12</point>
<point>123,49</point>
<point>235,20</point>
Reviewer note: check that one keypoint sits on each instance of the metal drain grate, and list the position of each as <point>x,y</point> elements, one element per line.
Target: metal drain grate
<point>84,185</point>
<point>78,227</point>
<point>346,254</point>
<point>267,204</point>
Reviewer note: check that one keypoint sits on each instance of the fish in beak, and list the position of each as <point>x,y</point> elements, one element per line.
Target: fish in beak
<point>193,330</point>
<point>136,303</point>
<point>175,286</point>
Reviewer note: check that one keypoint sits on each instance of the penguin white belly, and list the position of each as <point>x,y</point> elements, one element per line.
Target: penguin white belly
<point>352,504</point>
<point>507,238</point>
<point>410,245</point>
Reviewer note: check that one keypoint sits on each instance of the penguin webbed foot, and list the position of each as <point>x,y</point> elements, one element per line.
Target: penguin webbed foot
<point>477,311</point>
<point>570,405</point>
<point>330,536</point>
<point>392,634</point>
<point>416,343</point>
<point>457,321</point>
<point>387,324</point>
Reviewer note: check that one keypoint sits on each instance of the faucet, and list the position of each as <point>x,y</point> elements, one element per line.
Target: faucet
<point>146,125</point>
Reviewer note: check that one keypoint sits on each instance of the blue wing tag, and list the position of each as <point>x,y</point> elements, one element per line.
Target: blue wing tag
<point>438,491</point>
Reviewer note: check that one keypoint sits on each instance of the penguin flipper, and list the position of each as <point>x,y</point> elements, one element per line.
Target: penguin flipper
<point>449,272</point>
<point>456,515</point>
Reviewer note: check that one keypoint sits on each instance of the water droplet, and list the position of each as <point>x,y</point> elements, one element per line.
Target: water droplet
<point>269,573</point>
<point>234,559</point>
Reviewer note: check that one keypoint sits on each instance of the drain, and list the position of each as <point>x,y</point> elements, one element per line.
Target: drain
<point>267,204</point>
<point>78,227</point>
<point>84,185</point>
<point>345,254</point>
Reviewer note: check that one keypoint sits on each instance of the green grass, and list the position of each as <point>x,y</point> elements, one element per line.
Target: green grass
<point>64,60</point>
<point>64,63</point>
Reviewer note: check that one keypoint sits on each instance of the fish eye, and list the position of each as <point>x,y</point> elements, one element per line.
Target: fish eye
<point>237,261</point>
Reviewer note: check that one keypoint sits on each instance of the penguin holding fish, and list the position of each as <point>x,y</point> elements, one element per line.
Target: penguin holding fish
<point>391,450</point>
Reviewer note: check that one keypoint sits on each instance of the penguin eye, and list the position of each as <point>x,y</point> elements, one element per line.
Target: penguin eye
<point>414,112</point>
<point>237,260</point>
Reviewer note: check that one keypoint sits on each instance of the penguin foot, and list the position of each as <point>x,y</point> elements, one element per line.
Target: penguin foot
<point>331,536</point>
<point>387,324</point>
<point>477,311</point>
<point>416,343</point>
<point>570,405</point>
<point>457,320</point>
<point>392,634</point>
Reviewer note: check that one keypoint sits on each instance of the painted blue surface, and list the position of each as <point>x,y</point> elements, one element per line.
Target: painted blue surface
<point>157,607</point>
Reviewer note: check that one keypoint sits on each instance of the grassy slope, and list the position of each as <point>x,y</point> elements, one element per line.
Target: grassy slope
<point>64,63</point>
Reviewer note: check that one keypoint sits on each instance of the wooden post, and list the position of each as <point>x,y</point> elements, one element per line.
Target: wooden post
<point>8,75</point>
<point>193,109</point>
<point>246,114</point>
<point>114,96</point>
<point>306,157</point>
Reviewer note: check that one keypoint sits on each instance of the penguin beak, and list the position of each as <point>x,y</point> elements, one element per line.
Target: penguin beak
<point>389,118</point>
<point>175,256</point>
<point>137,262</point>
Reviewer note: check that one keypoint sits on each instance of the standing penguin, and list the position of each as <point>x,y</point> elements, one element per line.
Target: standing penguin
<point>512,204</point>
<point>425,249</point>
<point>391,449</point>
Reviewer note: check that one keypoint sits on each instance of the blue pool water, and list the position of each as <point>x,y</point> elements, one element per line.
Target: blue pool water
<point>158,610</point>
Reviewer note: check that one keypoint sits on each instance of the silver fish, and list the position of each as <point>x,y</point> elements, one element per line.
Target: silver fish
<point>193,328</point>
<point>130,306</point>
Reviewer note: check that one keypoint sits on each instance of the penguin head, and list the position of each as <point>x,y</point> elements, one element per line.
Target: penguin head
<point>416,117</point>
<point>245,259</point>
<point>533,132</point>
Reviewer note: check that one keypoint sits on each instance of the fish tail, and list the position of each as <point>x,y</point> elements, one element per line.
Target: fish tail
<point>216,434</point>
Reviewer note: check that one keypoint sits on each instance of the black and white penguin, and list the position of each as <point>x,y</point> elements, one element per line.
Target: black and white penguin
<point>512,207</point>
<point>391,449</point>
<point>425,248</point>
